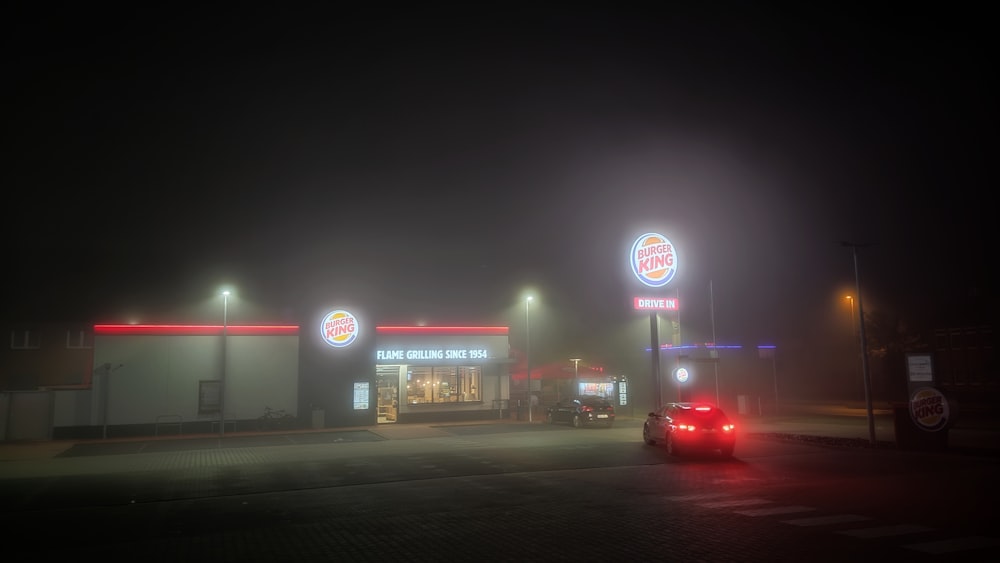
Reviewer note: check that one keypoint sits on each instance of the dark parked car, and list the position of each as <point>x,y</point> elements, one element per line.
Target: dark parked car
<point>685,427</point>
<point>580,411</point>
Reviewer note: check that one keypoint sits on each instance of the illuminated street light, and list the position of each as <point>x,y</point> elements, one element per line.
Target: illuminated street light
<point>527,347</point>
<point>576,376</point>
<point>853,332</point>
<point>222,384</point>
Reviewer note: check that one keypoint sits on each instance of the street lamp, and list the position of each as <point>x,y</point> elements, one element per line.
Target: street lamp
<point>222,384</point>
<point>527,347</point>
<point>863,343</point>
<point>770,351</point>
<point>576,377</point>
<point>853,332</point>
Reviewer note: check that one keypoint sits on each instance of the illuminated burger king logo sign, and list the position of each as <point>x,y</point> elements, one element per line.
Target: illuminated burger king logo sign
<point>653,260</point>
<point>339,328</point>
<point>929,409</point>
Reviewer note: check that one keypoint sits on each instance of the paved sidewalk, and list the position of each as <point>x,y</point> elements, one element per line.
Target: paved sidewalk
<point>972,432</point>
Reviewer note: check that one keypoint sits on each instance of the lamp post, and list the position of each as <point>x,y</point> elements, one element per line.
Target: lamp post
<point>774,374</point>
<point>222,386</point>
<point>527,347</point>
<point>576,377</point>
<point>857,375</point>
<point>863,343</point>
<point>105,370</point>
<point>715,350</point>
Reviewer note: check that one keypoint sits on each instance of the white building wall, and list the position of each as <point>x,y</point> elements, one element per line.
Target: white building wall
<point>72,407</point>
<point>160,375</point>
<point>262,371</point>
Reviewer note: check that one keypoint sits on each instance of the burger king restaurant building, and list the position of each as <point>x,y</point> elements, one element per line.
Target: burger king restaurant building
<point>160,379</point>
<point>440,373</point>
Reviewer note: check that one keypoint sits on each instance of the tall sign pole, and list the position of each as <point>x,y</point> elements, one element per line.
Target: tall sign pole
<point>654,346</point>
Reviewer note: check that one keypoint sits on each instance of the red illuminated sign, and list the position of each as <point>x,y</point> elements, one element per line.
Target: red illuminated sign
<point>655,303</point>
<point>197,330</point>
<point>443,330</point>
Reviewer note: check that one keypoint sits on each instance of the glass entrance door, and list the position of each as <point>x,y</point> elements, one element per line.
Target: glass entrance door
<point>387,378</point>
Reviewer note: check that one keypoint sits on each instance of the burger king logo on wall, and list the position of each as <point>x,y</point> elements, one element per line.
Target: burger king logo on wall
<point>929,409</point>
<point>653,260</point>
<point>339,328</point>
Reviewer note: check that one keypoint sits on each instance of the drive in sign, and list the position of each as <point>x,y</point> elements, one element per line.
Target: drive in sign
<point>654,303</point>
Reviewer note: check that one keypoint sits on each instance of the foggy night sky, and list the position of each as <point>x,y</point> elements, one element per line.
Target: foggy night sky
<point>434,164</point>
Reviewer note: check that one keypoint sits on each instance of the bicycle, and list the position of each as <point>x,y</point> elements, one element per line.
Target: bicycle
<point>275,419</point>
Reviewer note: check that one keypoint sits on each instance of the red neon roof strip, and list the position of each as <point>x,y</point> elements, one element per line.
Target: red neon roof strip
<point>474,330</point>
<point>197,330</point>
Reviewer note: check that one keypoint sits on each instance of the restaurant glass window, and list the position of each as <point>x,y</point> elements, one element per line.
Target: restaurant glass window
<point>604,389</point>
<point>470,382</point>
<point>419,385</point>
<point>443,384</point>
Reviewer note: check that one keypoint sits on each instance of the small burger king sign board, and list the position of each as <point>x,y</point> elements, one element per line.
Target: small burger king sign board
<point>929,409</point>
<point>339,328</point>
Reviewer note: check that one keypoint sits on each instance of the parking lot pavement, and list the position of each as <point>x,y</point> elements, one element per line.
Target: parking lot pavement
<point>977,434</point>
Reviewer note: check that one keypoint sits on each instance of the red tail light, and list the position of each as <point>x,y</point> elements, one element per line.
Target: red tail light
<point>586,408</point>
<point>728,427</point>
<point>688,427</point>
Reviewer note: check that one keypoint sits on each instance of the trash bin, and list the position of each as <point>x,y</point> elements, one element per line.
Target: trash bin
<point>318,419</point>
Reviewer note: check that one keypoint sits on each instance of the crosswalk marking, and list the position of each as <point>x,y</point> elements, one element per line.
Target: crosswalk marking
<point>701,496</point>
<point>955,544</point>
<point>883,531</point>
<point>827,520</point>
<point>775,510</point>
<point>941,547</point>
<point>737,502</point>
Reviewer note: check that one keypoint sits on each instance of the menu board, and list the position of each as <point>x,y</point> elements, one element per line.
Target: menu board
<point>919,367</point>
<point>361,393</point>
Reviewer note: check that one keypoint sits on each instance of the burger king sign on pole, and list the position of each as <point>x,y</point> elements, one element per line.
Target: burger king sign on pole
<point>653,260</point>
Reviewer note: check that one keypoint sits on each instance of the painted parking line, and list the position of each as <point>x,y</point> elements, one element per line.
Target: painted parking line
<point>885,531</point>
<point>956,544</point>
<point>775,510</point>
<point>827,520</point>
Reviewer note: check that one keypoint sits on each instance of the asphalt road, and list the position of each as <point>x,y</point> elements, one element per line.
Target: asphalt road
<point>500,493</point>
